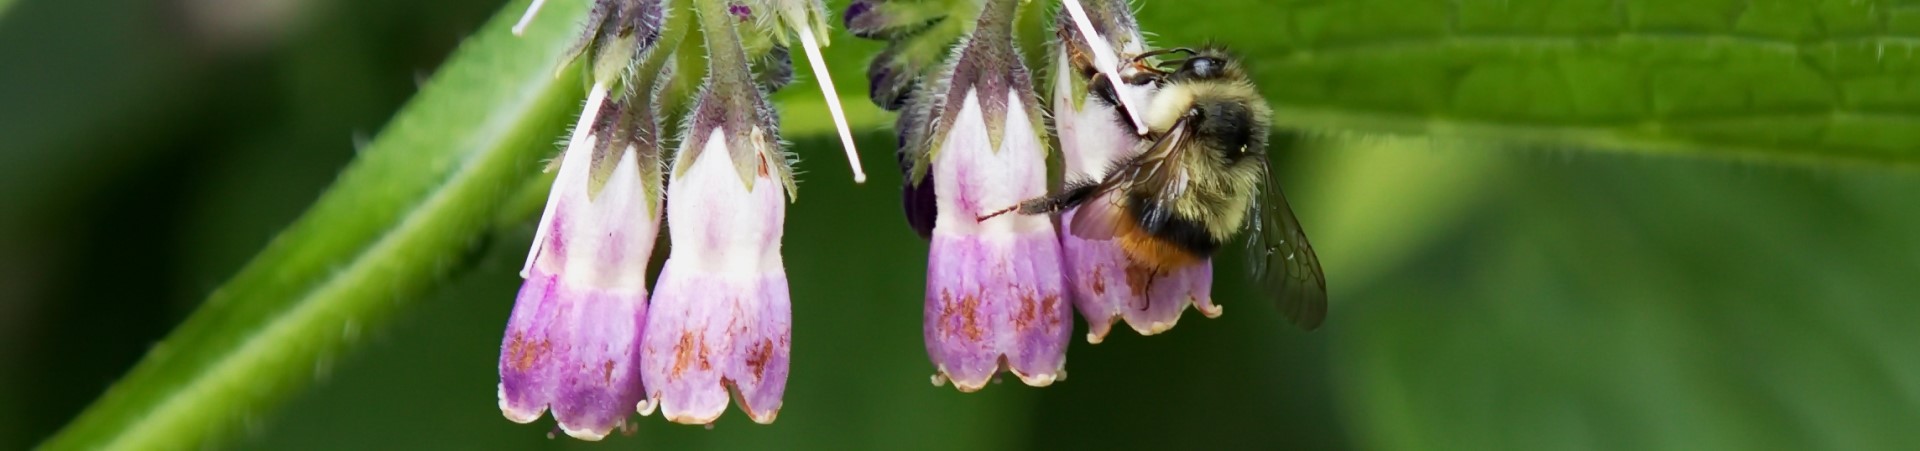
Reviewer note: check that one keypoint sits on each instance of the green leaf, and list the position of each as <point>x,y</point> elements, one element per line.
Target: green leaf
<point>410,210</point>
<point>1622,304</point>
<point>1823,81</point>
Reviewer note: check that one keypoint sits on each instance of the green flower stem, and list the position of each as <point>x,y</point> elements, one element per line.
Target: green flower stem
<point>724,50</point>
<point>407,213</point>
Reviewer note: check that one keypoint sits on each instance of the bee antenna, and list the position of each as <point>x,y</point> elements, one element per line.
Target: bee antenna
<point>1154,53</point>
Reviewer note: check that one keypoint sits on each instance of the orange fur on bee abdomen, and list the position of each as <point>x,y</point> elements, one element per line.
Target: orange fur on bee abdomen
<point>1150,251</point>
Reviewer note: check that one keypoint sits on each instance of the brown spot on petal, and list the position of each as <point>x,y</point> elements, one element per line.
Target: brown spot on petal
<point>606,373</point>
<point>521,354</point>
<point>1050,306</point>
<point>705,365</point>
<point>516,345</point>
<point>682,354</point>
<point>970,317</point>
<point>1099,280</point>
<point>946,312</point>
<point>757,357</point>
<point>1029,311</point>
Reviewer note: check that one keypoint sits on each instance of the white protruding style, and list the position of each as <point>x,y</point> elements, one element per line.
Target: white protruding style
<point>527,18</point>
<point>833,98</point>
<point>1104,60</point>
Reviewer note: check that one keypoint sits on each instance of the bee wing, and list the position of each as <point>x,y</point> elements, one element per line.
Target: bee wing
<point>1283,261</point>
<point>1098,219</point>
<point>1160,173</point>
<point>1153,170</point>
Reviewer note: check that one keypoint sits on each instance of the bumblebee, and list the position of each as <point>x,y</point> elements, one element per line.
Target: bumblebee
<point>1201,179</point>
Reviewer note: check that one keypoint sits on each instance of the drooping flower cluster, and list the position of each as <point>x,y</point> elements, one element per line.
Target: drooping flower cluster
<point>588,341</point>
<point>582,340</point>
<point>1000,288</point>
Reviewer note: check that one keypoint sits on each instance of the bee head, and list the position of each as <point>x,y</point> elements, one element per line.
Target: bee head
<point>1209,63</point>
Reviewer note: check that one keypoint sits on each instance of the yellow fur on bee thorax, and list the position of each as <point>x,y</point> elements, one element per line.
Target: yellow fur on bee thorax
<point>1218,193</point>
<point>1168,104</point>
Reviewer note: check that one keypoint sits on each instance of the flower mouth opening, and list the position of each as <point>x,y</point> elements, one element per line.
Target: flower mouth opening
<point>941,378</point>
<point>734,392</point>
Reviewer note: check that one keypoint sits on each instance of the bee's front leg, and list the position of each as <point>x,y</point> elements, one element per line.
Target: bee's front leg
<point>1074,195</point>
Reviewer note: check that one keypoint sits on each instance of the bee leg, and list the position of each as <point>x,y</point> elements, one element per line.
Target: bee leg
<point>1074,195</point>
<point>1036,206</point>
<point>985,217</point>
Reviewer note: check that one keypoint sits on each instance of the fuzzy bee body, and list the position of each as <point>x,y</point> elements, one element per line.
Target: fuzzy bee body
<point>1220,175</point>
<point>1200,180</point>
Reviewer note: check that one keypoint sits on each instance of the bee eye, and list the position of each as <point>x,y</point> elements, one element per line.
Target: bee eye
<point>1203,67</point>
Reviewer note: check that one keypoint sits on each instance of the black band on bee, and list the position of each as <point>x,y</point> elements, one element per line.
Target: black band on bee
<point>1226,126</point>
<point>1163,223</point>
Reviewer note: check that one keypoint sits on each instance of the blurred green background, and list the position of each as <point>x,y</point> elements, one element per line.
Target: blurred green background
<point>1484,297</point>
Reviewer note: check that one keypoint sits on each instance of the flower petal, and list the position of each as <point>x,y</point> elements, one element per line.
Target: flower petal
<point>527,382</point>
<point>1107,287</point>
<point>597,367</point>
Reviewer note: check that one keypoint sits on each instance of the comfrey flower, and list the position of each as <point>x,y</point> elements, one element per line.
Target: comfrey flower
<point>995,296</point>
<point>721,314</point>
<point>572,341</point>
<point>1105,285</point>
